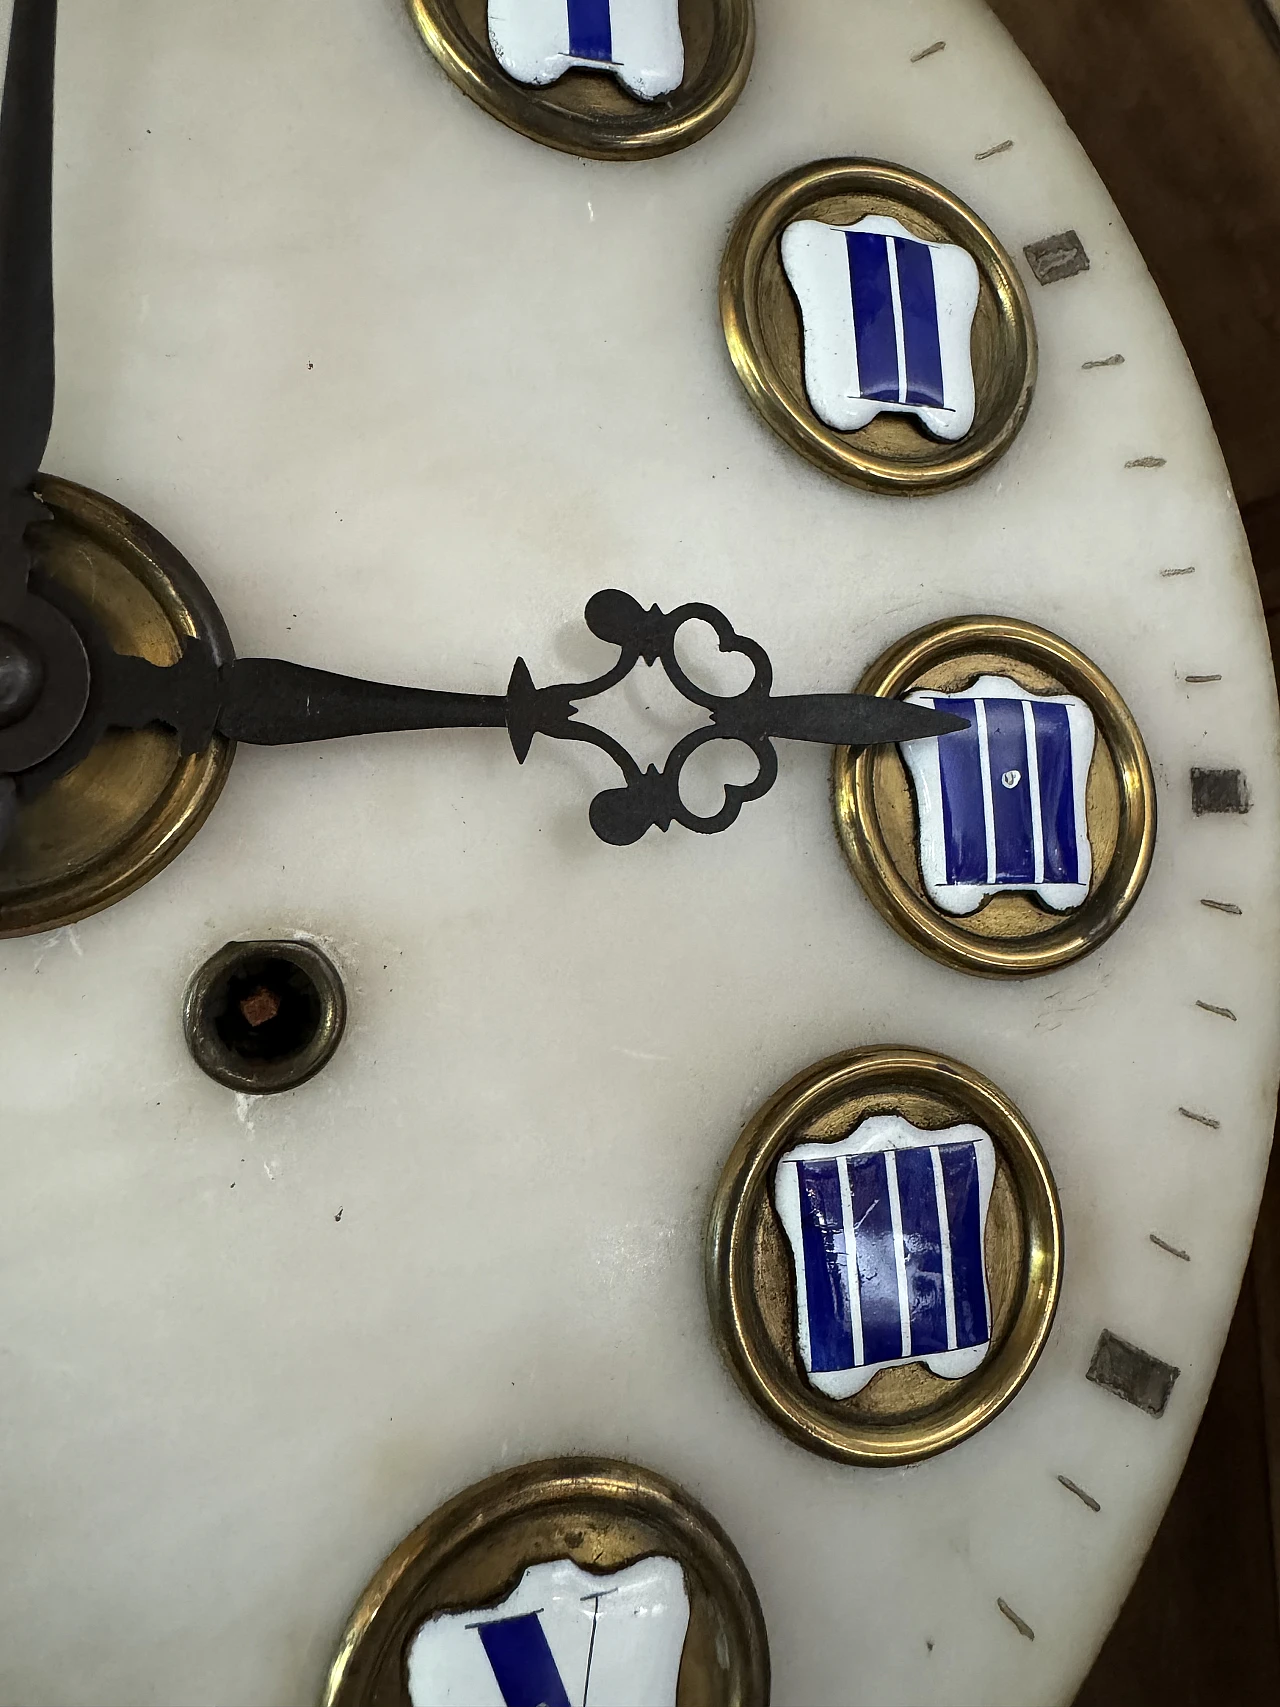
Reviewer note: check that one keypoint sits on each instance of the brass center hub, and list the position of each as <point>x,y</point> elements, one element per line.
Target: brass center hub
<point>81,836</point>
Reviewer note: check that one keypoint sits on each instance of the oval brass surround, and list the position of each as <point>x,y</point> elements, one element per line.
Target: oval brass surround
<point>904,1414</point>
<point>762,327</point>
<point>1010,935</point>
<point>601,1513</point>
<point>587,112</point>
<point>133,804</point>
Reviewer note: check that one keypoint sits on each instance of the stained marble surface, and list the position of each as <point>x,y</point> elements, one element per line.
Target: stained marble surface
<point>407,388</point>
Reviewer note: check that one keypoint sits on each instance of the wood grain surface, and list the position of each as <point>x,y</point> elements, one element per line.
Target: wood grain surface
<point>1177,103</point>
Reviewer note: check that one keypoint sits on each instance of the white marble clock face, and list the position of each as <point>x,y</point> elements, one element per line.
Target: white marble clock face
<point>407,389</point>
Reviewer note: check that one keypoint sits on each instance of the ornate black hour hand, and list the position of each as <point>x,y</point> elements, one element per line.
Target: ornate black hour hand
<point>62,686</point>
<point>272,703</point>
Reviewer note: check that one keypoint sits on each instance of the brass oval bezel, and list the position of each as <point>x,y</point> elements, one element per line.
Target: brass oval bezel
<point>842,1429</point>
<point>762,327</point>
<point>587,113</point>
<point>132,805</point>
<point>600,1512</point>
<point>899,897</point>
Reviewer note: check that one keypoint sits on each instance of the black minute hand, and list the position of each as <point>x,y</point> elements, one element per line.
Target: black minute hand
<point>26,282</point>
<point>271,703</point>
<point>44,675</point>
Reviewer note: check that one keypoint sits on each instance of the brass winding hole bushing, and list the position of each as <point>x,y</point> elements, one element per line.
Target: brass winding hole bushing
<point>262,1017</point>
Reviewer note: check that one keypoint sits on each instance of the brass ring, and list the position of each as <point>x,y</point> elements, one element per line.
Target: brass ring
<point>752,1293</point>
<point>134,802</point>
<point>299,1023</point>
<point>1008,937</point>
<point>762,327</point>
<point>586,112</point>
<point>598,1512</point>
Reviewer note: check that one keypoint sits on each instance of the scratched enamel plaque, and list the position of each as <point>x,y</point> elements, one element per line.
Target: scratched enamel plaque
<point>610,79</point>
<point>1020,842</point>
<point>878,325</point>
<point>575,1582</point>
<point>886,1229</point>
<point>885,1255</point>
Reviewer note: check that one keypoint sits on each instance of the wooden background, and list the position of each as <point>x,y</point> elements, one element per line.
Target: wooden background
<point>1177,103</point>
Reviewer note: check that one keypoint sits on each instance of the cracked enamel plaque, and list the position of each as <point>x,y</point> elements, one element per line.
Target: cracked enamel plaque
<point>557,1584</point>
<point>885,1255</point>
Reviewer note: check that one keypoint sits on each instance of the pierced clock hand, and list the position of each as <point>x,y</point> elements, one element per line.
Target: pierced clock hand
<point>272,703</point>
<point>62,685</point>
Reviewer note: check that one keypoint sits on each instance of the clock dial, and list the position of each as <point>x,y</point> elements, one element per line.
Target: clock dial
<point>408,391</point>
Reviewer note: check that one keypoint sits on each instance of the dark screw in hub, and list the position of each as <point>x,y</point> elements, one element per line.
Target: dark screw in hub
<point>21,677</point>
<point>265,1016</point>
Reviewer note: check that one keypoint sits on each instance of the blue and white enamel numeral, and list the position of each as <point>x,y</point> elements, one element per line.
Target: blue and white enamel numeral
<point>886,321</point>
<point>639,41</point>
<point>564,1637</point>
<point>886,1229</point>
<point>1001,804</point>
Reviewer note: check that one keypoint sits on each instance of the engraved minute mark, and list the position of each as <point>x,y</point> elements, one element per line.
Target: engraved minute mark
<point>1134,1375</point>
<point>1212,792</point>
<point>1215,793</point>
<point>1124,1369</point>
<point>1117,1365</point>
